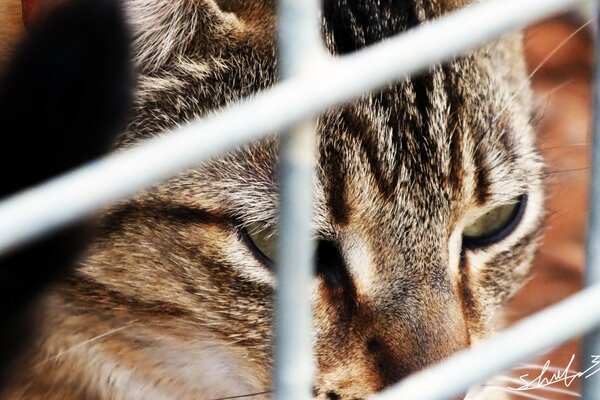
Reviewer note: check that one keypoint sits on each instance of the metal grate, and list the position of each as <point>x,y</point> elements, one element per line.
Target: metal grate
<point>312,82</point>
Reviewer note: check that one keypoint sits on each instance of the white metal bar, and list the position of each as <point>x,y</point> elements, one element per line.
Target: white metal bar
<point>300,47</point>
<point>32,213</point>
<point>300,44</point>
<point>294,363</point>
<point>591,343</point>
<point>521,342</point>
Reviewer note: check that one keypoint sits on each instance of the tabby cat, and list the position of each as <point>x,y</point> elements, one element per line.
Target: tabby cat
<point>428,209</point>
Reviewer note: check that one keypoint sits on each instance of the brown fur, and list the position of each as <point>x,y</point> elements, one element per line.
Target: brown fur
<point>171,303</point>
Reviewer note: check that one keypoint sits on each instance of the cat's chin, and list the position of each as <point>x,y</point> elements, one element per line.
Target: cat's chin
<point>211,366</point>
<point>206,369</point>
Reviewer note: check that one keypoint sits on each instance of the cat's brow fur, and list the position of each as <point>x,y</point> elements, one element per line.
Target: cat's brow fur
<point>399,174</point>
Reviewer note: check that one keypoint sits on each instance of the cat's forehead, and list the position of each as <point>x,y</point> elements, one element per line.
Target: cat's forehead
<point>450,133</point>
<point>454,136</point>
<point>434,129</point>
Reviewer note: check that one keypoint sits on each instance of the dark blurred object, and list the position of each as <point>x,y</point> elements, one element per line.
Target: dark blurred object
<point>63,98</point>
<point>35,10</point>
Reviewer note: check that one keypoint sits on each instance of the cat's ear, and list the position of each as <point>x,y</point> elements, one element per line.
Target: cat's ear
<point>165,30</point>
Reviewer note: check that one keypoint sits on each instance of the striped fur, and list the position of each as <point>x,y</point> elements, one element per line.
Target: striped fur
<point>171,303</point>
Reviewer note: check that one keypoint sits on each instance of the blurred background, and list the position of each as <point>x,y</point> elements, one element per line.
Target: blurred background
<point>561,52</point>
<point>562,48</point>
<point>10,26</point>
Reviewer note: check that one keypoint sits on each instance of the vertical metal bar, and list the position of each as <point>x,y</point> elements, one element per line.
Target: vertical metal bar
<point>300,45</point>
<point>300,50</point>
<point>591,342</point>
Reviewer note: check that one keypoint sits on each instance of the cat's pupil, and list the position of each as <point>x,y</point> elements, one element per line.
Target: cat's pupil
<point>331,266</point>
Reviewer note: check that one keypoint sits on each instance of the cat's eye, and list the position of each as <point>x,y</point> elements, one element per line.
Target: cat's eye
<point>495,225</point>
<point>262,241</point>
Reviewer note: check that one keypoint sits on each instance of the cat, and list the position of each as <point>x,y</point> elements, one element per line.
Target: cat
<point>428,211</point>
<point>63,98</point>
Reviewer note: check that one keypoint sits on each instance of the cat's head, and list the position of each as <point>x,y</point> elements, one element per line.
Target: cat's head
<point>428,198</point>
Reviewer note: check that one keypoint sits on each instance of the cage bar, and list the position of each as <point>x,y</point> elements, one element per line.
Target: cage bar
<point>306,92</point>
<point>591,343</point>
<point>523,341</point>
<point>300,49</point>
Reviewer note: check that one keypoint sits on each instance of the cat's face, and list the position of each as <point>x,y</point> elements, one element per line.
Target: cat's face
<point>428,200</point>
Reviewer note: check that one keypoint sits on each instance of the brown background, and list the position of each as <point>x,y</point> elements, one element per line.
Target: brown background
<point>563,95</point>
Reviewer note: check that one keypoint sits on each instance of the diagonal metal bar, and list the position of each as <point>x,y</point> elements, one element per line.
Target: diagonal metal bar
<point>30,214</point>
<point>521,342</point>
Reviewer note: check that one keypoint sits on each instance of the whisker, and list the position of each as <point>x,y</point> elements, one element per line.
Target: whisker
<point>564,171</point>
<point>558,87</point>
<point>559,46</point>
<point>562,146</point>
<point>536,119</point>
<point>95,338</point>
<point>243,395</point>
<point>548,94</point>
<point>522,87</point>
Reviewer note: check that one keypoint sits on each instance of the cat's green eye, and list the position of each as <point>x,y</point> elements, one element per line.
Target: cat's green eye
<point>495,225</point>
<point>263,241</point>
